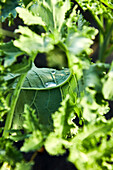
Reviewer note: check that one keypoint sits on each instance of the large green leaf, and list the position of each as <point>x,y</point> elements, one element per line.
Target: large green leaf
<point>43,90</point>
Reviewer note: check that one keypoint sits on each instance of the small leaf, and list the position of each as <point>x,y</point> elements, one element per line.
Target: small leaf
<point>24,165</point>
<point>31,122</point>
<point>54,145</point>
<point>25,15</point>
<point>34,142</point>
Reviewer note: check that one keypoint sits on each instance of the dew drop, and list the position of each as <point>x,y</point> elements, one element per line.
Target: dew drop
<point>53,72</point>
<point>50,84</point>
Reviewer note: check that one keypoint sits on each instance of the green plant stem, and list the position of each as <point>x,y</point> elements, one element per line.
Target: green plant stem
<point>101,40</point>
<point>98,21</point>
<point>7,33</point>
<point>13,104</point>
<point>109,51</point>
<point>105,43</point>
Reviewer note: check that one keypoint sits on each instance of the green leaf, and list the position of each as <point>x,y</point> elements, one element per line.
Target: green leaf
<point>32,43</point>
<point>25,15</point>
<point>64,127</point>
<point>107,84</point>
<point>8,152</point>
<point>24,165</point>
<point>55,145</point>
<point>91,148</point>
<point>31,122</point>
<point>9,53</point>
<point>52,13</point>
<point>94,74</point>
<point>8,8</point>
<point>43,90</point>
<point>34,142</point>
<point>76,43</point>
<point>63,118</point>
<point>108,3</point>
<point>93,103</point>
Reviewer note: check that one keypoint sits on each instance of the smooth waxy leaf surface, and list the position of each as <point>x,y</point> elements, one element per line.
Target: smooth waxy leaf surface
<point>43,90</point>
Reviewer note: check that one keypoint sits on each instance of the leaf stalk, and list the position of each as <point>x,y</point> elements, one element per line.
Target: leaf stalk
<point>14,99</point>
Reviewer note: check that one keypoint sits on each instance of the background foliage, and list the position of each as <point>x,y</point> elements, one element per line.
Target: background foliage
<point>63,109</point>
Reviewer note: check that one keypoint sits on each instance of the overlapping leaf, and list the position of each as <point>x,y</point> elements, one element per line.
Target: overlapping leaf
<point>107,84</point>
<point>63,128</point>
<point>8,8</point>
<point>33,43</point>
<point>29,18</point>
<point>91,148</point>
<point>9,53</point>
<point>96,7</point>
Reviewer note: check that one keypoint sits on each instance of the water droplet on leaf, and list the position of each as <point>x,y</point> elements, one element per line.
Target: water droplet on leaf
<point>53,72</point>
<point>50,84</point>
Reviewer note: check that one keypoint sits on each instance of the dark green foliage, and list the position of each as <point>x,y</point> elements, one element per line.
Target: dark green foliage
<point>8,9</point>
<point>40,107</point>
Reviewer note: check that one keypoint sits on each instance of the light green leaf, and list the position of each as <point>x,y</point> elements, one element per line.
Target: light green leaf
<point>28,17</point>
<point>91,148</point>
<point>64,127</point>
<point>34,142</point>
<point>63,118</point>
<point>24,165</point>
<point>76,43</point>
<point>107,84</point>
<point>43,10</point>
<point>32,43</point>
<point>96,6</point>
<point>108,3</point>
<point>31,122</point>
<point>52,13</point>
<point>59,10</point>
<point>54,145</point>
